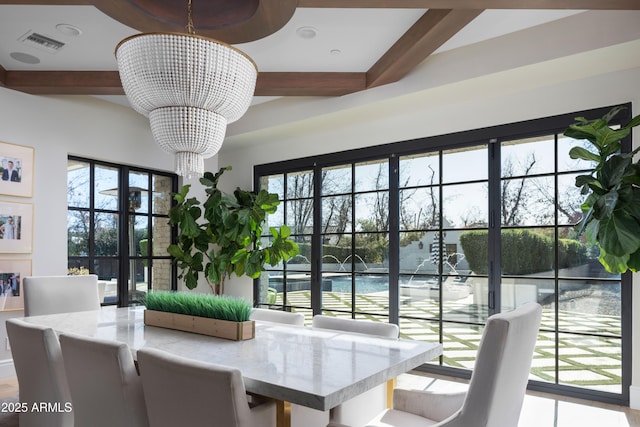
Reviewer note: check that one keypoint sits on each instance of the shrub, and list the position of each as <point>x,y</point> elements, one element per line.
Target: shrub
<point>523,251</point>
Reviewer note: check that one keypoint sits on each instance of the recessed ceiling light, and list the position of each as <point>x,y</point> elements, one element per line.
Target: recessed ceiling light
<point>307,32</point>
<point>25,58</point>
<point>69,30</point>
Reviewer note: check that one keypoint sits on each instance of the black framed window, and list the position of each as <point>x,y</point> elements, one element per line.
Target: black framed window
<point>436,234</point>
<point>117,227</point>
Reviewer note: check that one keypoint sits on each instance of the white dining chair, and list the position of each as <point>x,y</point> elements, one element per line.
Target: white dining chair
<point>368,327</point>
<point>41,377</point>
<point>358,410</point>
<point>105,388</point>
<point>185,392</point>
<point>60,294</point>
<point>497,386</point>
<point>277,316</point>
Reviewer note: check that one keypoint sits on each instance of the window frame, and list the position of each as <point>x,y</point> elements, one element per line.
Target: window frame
<point>123,258</point>
<point>492,136</point>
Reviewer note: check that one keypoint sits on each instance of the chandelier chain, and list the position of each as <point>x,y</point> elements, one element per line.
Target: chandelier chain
<point>190,28</point>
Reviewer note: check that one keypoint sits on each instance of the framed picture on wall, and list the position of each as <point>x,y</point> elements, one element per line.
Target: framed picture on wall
<point>16,170</point>
<point>11,273</point>
<point>16,227</point>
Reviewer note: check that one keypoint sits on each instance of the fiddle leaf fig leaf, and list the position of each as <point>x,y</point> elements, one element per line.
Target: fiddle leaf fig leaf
<point>226,232</point>
<point>611,211</point>
<point>583,154</point>
<point>618,234</point>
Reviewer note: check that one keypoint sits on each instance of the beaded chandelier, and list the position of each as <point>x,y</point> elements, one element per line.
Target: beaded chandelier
<point>190,87</point>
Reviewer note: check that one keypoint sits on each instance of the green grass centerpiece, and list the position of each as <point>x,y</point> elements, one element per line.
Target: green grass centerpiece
<point>220,316</point>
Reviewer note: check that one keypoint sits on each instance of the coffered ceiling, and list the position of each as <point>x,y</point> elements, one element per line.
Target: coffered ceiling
<point>302,48</point>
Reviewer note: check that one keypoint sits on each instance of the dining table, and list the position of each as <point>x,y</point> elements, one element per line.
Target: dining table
<point>316,368</point>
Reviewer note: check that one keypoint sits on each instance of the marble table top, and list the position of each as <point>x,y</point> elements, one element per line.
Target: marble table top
<point>317,368</point>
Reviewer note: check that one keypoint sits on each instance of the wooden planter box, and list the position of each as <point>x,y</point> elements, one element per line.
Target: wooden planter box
<point>236,331</point>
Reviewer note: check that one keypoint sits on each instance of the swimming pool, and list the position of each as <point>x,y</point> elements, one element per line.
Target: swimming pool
<point>364,284</point>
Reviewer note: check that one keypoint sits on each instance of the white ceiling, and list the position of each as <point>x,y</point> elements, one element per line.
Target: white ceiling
<point>348,40</point>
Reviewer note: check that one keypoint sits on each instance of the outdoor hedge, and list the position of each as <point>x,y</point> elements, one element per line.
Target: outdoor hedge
<point>523,252</point>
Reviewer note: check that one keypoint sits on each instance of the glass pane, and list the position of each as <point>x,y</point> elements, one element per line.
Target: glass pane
<point>106,234</point>
<point>527,252</point>
<point>421,330</point>
<point>138,192</point>
<point>474,252</point>
<point>161,236</point>
<point>465,206</point>
<point>372,211</point>
<point>527,201</point>
<point>372,176</point>
<point>591,362</point>
<point>336,292</point>
<point>302,261</point>
<point>468,164</point>
<point>161,274</point>
<point>106,188</point>
<point>161,201</point>
<point>372,294</point>
<point>78,184</point>
<point>419,170</point>
<point>139,286</point>
<point>543,365</point>
<point>107,269</point>
<point>78,233</point>
<point>300,216</point>
<point>528,156</point>
<point>569,200</point>
<point>566,163</point>
<point>273,184</point>
<point>336,180</point>
<point>419,208</point>
<point>460,343</point>
<point>336,214</point>
<point>299,185</point>
<point>372,252</point>
<point>336,252</point>
<point>77,266</point>
<point>590,307</point>
<point>140,242</point>
<point>579,260</point>
<point>276,219</point>
<point>414,253</point>
<point>521,290</point>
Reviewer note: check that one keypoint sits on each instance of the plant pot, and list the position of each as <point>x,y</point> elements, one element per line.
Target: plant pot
<point>237,331</point>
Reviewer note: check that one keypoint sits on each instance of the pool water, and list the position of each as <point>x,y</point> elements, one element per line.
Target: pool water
<point>364,284</point>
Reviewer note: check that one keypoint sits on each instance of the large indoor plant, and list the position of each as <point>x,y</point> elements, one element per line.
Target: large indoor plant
<point>611,210</point>
<point>223,235</point>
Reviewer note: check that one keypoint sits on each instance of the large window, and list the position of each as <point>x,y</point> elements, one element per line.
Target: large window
<point>117,227</point>
<point>437,234</point>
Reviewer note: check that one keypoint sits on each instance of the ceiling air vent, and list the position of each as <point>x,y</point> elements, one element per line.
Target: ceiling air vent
<point>41,42</point>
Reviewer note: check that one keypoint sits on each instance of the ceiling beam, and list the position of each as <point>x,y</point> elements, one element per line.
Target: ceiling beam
<point>309,84</point>
<point>65,82</point>
<point>3,76</point>
<point>429,32</point>
<point>108,83</point>
<point>476,4</point>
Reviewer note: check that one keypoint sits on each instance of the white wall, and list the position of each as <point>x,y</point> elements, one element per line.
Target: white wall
<point>56,127</point>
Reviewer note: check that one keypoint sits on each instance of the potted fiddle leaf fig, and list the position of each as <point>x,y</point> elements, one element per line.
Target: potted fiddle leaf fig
<point>611,210</point>
<point>223,235</point>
